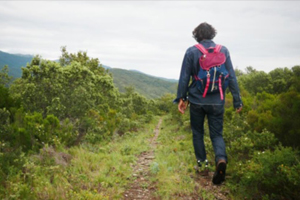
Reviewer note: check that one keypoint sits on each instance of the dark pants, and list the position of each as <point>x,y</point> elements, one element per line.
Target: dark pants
<point>215,115</point>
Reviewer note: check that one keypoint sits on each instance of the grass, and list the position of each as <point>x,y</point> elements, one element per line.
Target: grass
<point>88,171</point>
<point>173,167</point>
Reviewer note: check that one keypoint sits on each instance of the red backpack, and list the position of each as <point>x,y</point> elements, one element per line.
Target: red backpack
<point>213,75</point>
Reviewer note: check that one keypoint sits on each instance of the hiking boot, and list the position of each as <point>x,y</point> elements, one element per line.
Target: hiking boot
<point>219,175</point>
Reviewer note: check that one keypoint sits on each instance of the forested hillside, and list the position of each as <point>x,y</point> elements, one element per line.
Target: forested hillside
<point>148,86</point>
<point>66,132</point>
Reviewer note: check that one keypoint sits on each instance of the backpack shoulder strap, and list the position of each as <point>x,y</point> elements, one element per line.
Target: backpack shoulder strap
<point>218,48</point>
<point>201,48</point>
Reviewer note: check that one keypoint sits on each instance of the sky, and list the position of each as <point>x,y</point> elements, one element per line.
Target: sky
<point>152,36</point>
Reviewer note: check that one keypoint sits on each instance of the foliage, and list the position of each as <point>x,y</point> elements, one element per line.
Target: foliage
<point>276,81</point>
<point>6,101</point>
<point>257,81</point>
<point>273,174</point>
<point>5,79</point>
<point>273,102</point>
<point>78,90</point>
<point>285,123</point>
<point>68,91</point>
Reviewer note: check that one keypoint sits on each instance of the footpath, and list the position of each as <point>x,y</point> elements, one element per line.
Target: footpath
<point>143,188</point>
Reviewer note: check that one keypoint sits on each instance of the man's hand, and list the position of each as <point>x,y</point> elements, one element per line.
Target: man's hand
<point>239,109</point>
<point>182,106</point>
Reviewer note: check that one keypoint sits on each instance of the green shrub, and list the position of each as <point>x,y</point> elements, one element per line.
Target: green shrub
<point>263,140</point>
<point>32,131</point>
<point>269,173</point>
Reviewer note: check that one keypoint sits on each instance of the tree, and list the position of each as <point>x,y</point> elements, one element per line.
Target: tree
<point>281,80</point>
<point>67,91</point>
<point>92,63</point>
<point>296,78</point>
<point>6,101</point>
<point>5,79</point>
<point>256,81</point>
<point>285,123</point>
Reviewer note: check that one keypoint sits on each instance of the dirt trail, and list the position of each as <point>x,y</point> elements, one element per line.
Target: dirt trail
<point>142,188</point>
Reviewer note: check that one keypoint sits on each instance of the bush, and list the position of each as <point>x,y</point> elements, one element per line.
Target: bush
<point>32,131</point>
<point>274,174</point>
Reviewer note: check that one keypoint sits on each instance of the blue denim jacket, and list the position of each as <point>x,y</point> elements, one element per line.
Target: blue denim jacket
<point>190,67</point>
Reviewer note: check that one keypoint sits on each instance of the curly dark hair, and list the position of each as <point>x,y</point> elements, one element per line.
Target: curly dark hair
<point>204,31</point>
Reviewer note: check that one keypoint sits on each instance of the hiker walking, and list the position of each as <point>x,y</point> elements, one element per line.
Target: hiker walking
<point>209,65</point>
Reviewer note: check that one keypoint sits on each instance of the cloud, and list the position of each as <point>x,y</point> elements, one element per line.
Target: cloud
<point>152,36</point>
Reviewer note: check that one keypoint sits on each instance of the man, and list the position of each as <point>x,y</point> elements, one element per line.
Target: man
<point>211,105</point>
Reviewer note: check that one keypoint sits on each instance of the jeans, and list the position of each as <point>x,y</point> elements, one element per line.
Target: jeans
<point>215,115</point>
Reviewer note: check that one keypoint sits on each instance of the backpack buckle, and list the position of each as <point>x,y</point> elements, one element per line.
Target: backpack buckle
<point>203,57</point>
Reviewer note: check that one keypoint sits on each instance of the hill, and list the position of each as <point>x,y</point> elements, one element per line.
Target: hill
<point>14,62</point>
<point>166,79</point>
<point>148,86</point>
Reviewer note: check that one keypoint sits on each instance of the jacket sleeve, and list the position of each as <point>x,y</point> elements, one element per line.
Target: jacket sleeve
<point>184,79</point>
<point>233,85</point>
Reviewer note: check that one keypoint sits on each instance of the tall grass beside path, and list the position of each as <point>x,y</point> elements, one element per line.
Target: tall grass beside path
<point>98,171</point>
